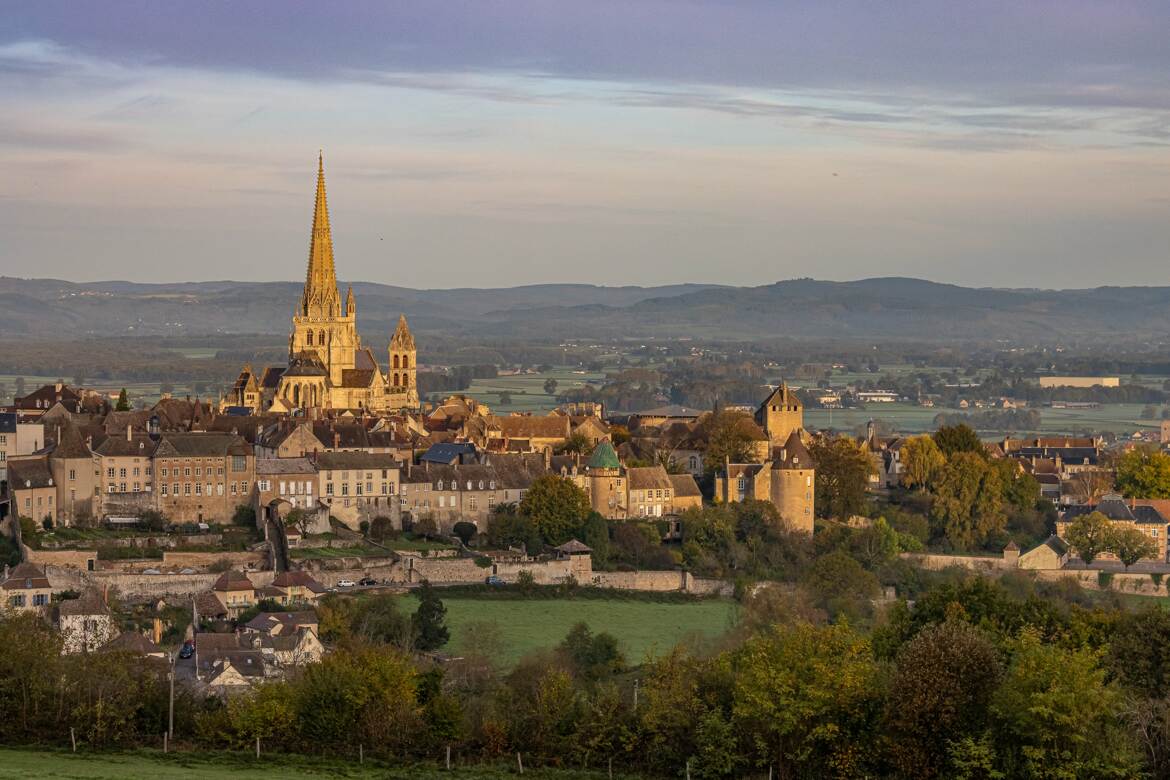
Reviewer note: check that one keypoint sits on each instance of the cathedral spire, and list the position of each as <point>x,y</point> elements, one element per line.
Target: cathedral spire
<point>320,298</point>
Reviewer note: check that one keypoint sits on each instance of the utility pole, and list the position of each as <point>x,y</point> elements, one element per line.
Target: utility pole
<point>171,706</point>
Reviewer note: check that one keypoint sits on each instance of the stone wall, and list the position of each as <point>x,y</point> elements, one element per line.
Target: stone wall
<point>201,560</point>
<point>640,580</point>
<point>82,560</point>
<point>935,562</point>
<point>543,572</point>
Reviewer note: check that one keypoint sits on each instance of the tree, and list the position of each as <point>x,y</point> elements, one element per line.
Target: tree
<point>805,697</point>
<point>841,585</point>
<point>429,620</point>
<point>505,398</point>
<point>1089,535</point>
<point>1131,545</point>
<point>730,437</point>
<point>958,438</point>
<point>1144,473</point>
<point>557,507</point>
<point>550,386</point>
<point>465,531</point>
<point>425,527</point>
<point>941,689</point>
<point>968,501</point>
<point>1089,485</point>
<point>1055,716</point>
<point>842,476</point>
<point>922,460</point>
<point>592,656</point>
<point>123,404</point>
<point>576,444</point>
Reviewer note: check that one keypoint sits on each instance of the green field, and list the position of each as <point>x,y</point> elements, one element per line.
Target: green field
<point>911,418</point>
<point>527,390</point>
<point>642,627</point>
<point>239,766</point>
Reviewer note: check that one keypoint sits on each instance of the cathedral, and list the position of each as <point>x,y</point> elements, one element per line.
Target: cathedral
<point>328,368</point>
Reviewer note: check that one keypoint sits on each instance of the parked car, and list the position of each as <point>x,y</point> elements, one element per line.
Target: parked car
<point>187,650</point>
<point>345,583</point>
<point>367,581</point>
<point>494,580</point>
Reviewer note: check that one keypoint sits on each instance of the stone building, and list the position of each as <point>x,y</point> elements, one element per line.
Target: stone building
<point>327,365</point>
<point>203,477</point>
<point>26,588</point>
<point>127,475</point>
<point>76,474</point>
<point>359,486</point>
<point>31,489</point>
<point>787,481</point>
<point>619,493</point>
<point>85,623</point>
<point>780,414</point>
<point>18,436</point>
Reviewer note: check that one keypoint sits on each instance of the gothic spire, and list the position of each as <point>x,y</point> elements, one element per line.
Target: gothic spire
<point>402,338</point>
<point>320,298</point>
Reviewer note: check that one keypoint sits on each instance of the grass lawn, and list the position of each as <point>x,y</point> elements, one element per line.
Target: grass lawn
<point>238,766</point>
<point>641,626</point>
<point>527,390</point>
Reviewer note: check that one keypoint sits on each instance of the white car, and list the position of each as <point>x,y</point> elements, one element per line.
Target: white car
<point>346,583</point>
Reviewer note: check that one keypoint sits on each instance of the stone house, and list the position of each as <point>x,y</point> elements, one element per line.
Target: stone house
<point>76,474</point>
<point>235,591</point>
<point>127,473</point>
<point>359,486</point>
<point>32,491</point>
<point>203,477</point>
<point>18,436</point>
<point>26,588</point>
<point>298,587</point>
<point>1122,513</point>
<point>85,623</point>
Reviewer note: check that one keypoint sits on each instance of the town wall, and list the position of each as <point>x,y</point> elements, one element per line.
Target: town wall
<point>76,559</point>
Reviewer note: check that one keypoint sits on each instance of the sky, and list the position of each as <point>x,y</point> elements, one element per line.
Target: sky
<point>489,144</point>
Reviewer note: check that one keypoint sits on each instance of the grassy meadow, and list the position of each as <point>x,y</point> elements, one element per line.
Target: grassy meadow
<point>57,765</point>
<point>641,627</point>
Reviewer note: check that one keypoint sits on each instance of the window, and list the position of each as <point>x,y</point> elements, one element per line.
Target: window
<point>492,485</point>
<point>121,487</point>
<point>175,488</point>
<point>122,473</point>
<point>234,487</point>
<point>238,462</point>
<point>137,472</point>
<point>198,488</point>
<point>187,488</point>
<point>72,474</point>
<point>164,471</point>
<point>219,489</point>
<point>328,488</point>
<point>358,488</point>
<point>345,488</point>
<point>186,471</point>
<point>163,488</point>
<point>472,504</point>
<point>17,601</point>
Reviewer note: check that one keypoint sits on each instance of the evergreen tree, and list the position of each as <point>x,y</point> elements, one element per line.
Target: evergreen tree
<point>430,620</point>
<point>123,402</point>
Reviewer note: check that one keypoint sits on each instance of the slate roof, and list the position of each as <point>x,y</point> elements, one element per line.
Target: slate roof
<point>8,422</point>
<point>90,603</point>
<point>1115,508</point>
<point>270,379</point>
<point>448,452</point>
<point>266,621</point>
<point>288,579</point>
<point>70,444</point>
<point>357,377</point>
<point>27,473</point>
<point>276,466</point>
<point>333,461</point>
<point>118,446</point>
<point>794,454</point>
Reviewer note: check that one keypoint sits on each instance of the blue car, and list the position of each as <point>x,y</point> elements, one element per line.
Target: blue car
<point>494,580</point>
<point>187,650</point>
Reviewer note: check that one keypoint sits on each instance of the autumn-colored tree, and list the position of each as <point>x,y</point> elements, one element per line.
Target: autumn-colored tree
<point>942,685</point>
<point>557,507</point>
<point>730,437</point>
<point>1090,535</point>
<point>807,698</point>
<point>1130,545</point>
<point>922,460</point>
<point>842,476</point>
<point>1144,473</point>
<point>968,505</point>
<point>958,438</point>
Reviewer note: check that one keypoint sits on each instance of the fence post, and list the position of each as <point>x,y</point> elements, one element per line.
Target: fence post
<point>519,763</point>
<point>73,738</point>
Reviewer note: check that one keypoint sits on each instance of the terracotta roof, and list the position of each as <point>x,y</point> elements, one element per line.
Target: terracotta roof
<point>531,427</point>
<point>26,576</point>
<point>357,377</point>
<point>289,579</point>
<point>649,478</point>
<point>573,546</point>
<point>233,580</point>
<point>117,445</point>
<point>266,621</point>
<point>207,604</point>
<point>131,642</point>
<point>69,443</point>
<point>202,445</point>
<point>684,485</point>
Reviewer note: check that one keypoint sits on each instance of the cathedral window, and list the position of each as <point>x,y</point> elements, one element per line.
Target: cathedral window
<point>396,364</point>
<point>406,361</point>
<point>309,339</point>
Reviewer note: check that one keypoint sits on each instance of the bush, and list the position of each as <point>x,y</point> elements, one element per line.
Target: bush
<point>465,531</point>
<point>244,515</point>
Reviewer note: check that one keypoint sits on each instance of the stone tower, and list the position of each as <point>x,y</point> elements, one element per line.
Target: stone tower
<point>321,330</point>
<point>402,370</point>
<point>780,414</point>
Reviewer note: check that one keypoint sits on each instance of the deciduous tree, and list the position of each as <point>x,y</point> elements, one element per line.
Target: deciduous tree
<point>922,460</point>
<point>842,476</point>
<point>1090,535</point>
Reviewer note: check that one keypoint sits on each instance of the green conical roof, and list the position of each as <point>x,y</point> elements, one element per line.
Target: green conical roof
<point>604,456</point>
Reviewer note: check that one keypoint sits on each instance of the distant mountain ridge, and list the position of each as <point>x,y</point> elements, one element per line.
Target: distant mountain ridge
<point>886,307</point>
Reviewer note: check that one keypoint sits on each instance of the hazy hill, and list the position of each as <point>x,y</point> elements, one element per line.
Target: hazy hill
<point>889,308</point>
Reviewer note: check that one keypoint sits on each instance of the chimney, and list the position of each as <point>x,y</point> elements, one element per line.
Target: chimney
<point>156,634</point>
<point>129,432</point>
<point>336,440</point>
